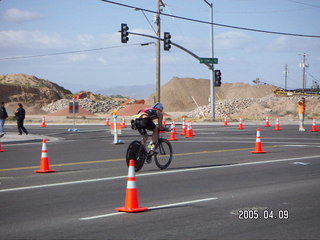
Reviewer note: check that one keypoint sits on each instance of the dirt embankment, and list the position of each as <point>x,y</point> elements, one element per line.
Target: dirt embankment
<point>176,95</point>
<point>231,99</point>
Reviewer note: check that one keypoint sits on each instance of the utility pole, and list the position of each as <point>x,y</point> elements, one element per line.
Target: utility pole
<point>212,88</point>
<point>158,51</point>
<point>303,65</point>
<point>285,77</point>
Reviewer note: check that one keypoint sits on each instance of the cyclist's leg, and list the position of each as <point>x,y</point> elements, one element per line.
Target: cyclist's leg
<point>148,124</point>
<point>155,135</point>
<point>144,135</point>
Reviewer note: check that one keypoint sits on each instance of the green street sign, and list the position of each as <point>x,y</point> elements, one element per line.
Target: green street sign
<point>209,60</point>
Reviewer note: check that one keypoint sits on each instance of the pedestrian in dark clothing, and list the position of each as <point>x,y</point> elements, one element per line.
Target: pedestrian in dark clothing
<point>3,116</point>
<point>20,116</point>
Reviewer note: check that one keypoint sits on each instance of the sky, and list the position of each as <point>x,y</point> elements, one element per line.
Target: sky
<point>89,29</point>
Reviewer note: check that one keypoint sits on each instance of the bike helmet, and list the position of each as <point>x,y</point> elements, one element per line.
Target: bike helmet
<point>158,106</point>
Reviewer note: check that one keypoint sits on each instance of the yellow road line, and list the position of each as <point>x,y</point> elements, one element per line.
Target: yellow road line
<point>122,159</point>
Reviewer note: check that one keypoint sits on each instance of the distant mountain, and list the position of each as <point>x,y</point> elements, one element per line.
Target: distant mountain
<point>135,91</point>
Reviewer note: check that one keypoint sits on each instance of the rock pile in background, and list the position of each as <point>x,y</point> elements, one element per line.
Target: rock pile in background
<point>258,108</point>
<point>224,107</point>
<point>88,104</point>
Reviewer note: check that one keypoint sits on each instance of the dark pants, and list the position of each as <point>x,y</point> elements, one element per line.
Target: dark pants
<point>21,127</point>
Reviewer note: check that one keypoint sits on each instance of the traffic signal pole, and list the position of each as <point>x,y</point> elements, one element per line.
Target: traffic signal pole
<point>158,85</point>
<point>174,44</point>
<point>212,82</point>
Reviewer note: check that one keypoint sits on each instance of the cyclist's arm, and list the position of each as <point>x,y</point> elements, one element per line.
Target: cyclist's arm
<point>160,118</point>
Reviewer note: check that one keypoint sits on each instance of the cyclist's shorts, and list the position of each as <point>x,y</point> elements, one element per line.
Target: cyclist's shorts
<point>144,124</point>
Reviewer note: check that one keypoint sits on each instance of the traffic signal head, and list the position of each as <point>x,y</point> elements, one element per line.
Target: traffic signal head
<point>217,81</point>
<point>124,33</point>
<point>167,41</point>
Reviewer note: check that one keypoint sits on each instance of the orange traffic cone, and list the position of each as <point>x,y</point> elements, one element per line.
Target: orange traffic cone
<point>183,131</point>
<point>188,132</point>
<point>172,136</point>
<point>43,123</point>
<point>277,128</point>
<point>240,124</point>
<point>173,126</point>
<point>225,123</point>
<point>258,148</point>
<point>164,123</point>
<point>267,124</point>
<point>131,201</point>
<point>44,163</point>
<point>314,127</point>
<point>1,149</point>
<point>191,129</point>
<point>107,122</point>
<point>123,124</point>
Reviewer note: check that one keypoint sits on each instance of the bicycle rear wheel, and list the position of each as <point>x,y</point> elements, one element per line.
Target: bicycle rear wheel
<point>164,156</point>
<point>136,152</point>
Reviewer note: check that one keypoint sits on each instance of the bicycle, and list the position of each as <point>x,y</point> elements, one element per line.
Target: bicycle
<point>162,154</point>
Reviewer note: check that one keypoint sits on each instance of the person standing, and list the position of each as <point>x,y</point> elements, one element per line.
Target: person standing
<point>20,116</point>
<point>301,112</point>
<point>3,116</point>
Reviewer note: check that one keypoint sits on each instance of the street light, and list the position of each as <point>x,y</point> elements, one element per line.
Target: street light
<point>212,92</point>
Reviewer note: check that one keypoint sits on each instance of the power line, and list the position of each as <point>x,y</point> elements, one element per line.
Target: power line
<point>216,24</point>
<point>70,52</point>
<point>137,9</point>
<point>307,4</point>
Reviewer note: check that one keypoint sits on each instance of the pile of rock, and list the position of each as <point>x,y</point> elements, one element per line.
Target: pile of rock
<point>86,103</point>
<point>224,107</point>
<point>258,108</point>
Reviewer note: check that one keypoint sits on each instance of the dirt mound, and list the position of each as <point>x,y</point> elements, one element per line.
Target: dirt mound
<point>243,90</point>
<point>29,89</point>
<point>30,108</point>
<point>131,109</point>
<point>176,95</point>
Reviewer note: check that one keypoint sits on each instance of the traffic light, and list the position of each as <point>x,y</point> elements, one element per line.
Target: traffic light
<point>124,33</point>
<point>167,41</point>
<point>217,81</point>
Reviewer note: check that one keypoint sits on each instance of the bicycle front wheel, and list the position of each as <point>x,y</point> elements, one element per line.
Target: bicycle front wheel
<point>164,156</point>
<point>136,152</point>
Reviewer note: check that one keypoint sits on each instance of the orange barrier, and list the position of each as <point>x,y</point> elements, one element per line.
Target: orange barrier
<point>131,201</point>
<point>258,148</point>
<point>44,163</point>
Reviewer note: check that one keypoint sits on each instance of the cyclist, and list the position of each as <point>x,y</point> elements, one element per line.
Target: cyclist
<point>145,122</point>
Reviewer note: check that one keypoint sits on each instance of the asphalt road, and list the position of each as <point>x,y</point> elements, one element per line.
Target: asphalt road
<point>215,187</point>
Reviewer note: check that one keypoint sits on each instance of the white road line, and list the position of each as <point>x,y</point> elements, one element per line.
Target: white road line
<point>158,173</point>
<point>151,208</point>
<point>311,144</point>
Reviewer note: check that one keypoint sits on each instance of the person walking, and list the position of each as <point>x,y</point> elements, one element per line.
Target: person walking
<point>3,116</point>
<point>301,112</point>
<point>20,116</point>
